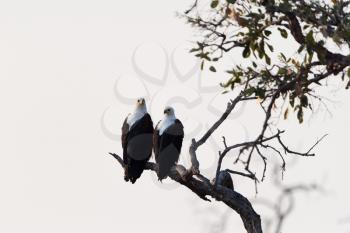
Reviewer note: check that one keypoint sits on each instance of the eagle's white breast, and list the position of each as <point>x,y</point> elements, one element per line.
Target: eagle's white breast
<point>165,123</point>
<point>135,116</point>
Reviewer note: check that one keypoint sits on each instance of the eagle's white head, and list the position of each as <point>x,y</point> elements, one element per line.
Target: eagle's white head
<point>140,102</point>
<point>141,105</point>
<point>169,119</point>
<point>169,111</point>
<point>139,112</point>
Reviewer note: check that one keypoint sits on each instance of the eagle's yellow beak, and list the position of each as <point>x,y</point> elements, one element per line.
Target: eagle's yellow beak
<point>141,101</point>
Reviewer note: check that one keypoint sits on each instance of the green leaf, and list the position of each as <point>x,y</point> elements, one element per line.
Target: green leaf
<point>246,52</point>
<point>311,55</point>
<point>309,39</point>
<point>261,45</point>
<point>306,26</point>
<point>204,56</point>
<point>322,56</point>
<point>283,57</point>
<point>212,69</point>
<point>194,50</point>
<point>347,85</point>
<point>268,59</point>
<point>286,114</point>
<point>249,91</point>
<point>231,1</point>
<point>267,32</point>
<point>291,101</point>
<point>304,101</point>
<point>301,48</point>
<point>260,53</point>
<point>300,115</point>
<point>260,93</point>
<point>283,32</point>
<point>270,47</point>
<point>214,3</point>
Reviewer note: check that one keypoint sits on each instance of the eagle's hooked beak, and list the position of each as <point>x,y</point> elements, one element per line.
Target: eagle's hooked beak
<point>141,101</point>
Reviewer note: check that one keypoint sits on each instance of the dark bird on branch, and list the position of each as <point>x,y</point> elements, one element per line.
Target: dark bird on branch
<point>224,179</point>
<point>137,134</point>
<point>167,142</point>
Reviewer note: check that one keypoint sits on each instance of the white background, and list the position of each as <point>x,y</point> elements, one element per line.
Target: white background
<point>59,62</point>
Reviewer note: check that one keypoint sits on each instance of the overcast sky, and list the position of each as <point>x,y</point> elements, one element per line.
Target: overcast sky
<point>69,71</point>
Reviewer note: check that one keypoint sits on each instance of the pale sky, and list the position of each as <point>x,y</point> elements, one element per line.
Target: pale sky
<point>68,67</point>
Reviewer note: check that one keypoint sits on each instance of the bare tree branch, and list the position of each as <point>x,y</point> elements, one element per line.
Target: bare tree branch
<point>203,188</point>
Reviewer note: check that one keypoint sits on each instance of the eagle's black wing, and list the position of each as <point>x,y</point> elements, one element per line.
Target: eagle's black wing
<point>125,131</point>
<point>156,142</point>
<point>137,146</point>
<point>170,143</point>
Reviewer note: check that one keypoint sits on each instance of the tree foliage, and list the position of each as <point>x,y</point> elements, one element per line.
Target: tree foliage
<point>245,28</point>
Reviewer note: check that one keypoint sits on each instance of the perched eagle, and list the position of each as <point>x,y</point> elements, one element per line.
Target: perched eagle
<point>167,142</point>
<point>137,134</point>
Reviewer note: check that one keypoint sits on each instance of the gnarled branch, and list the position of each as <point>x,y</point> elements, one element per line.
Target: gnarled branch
<point>203,188</point>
